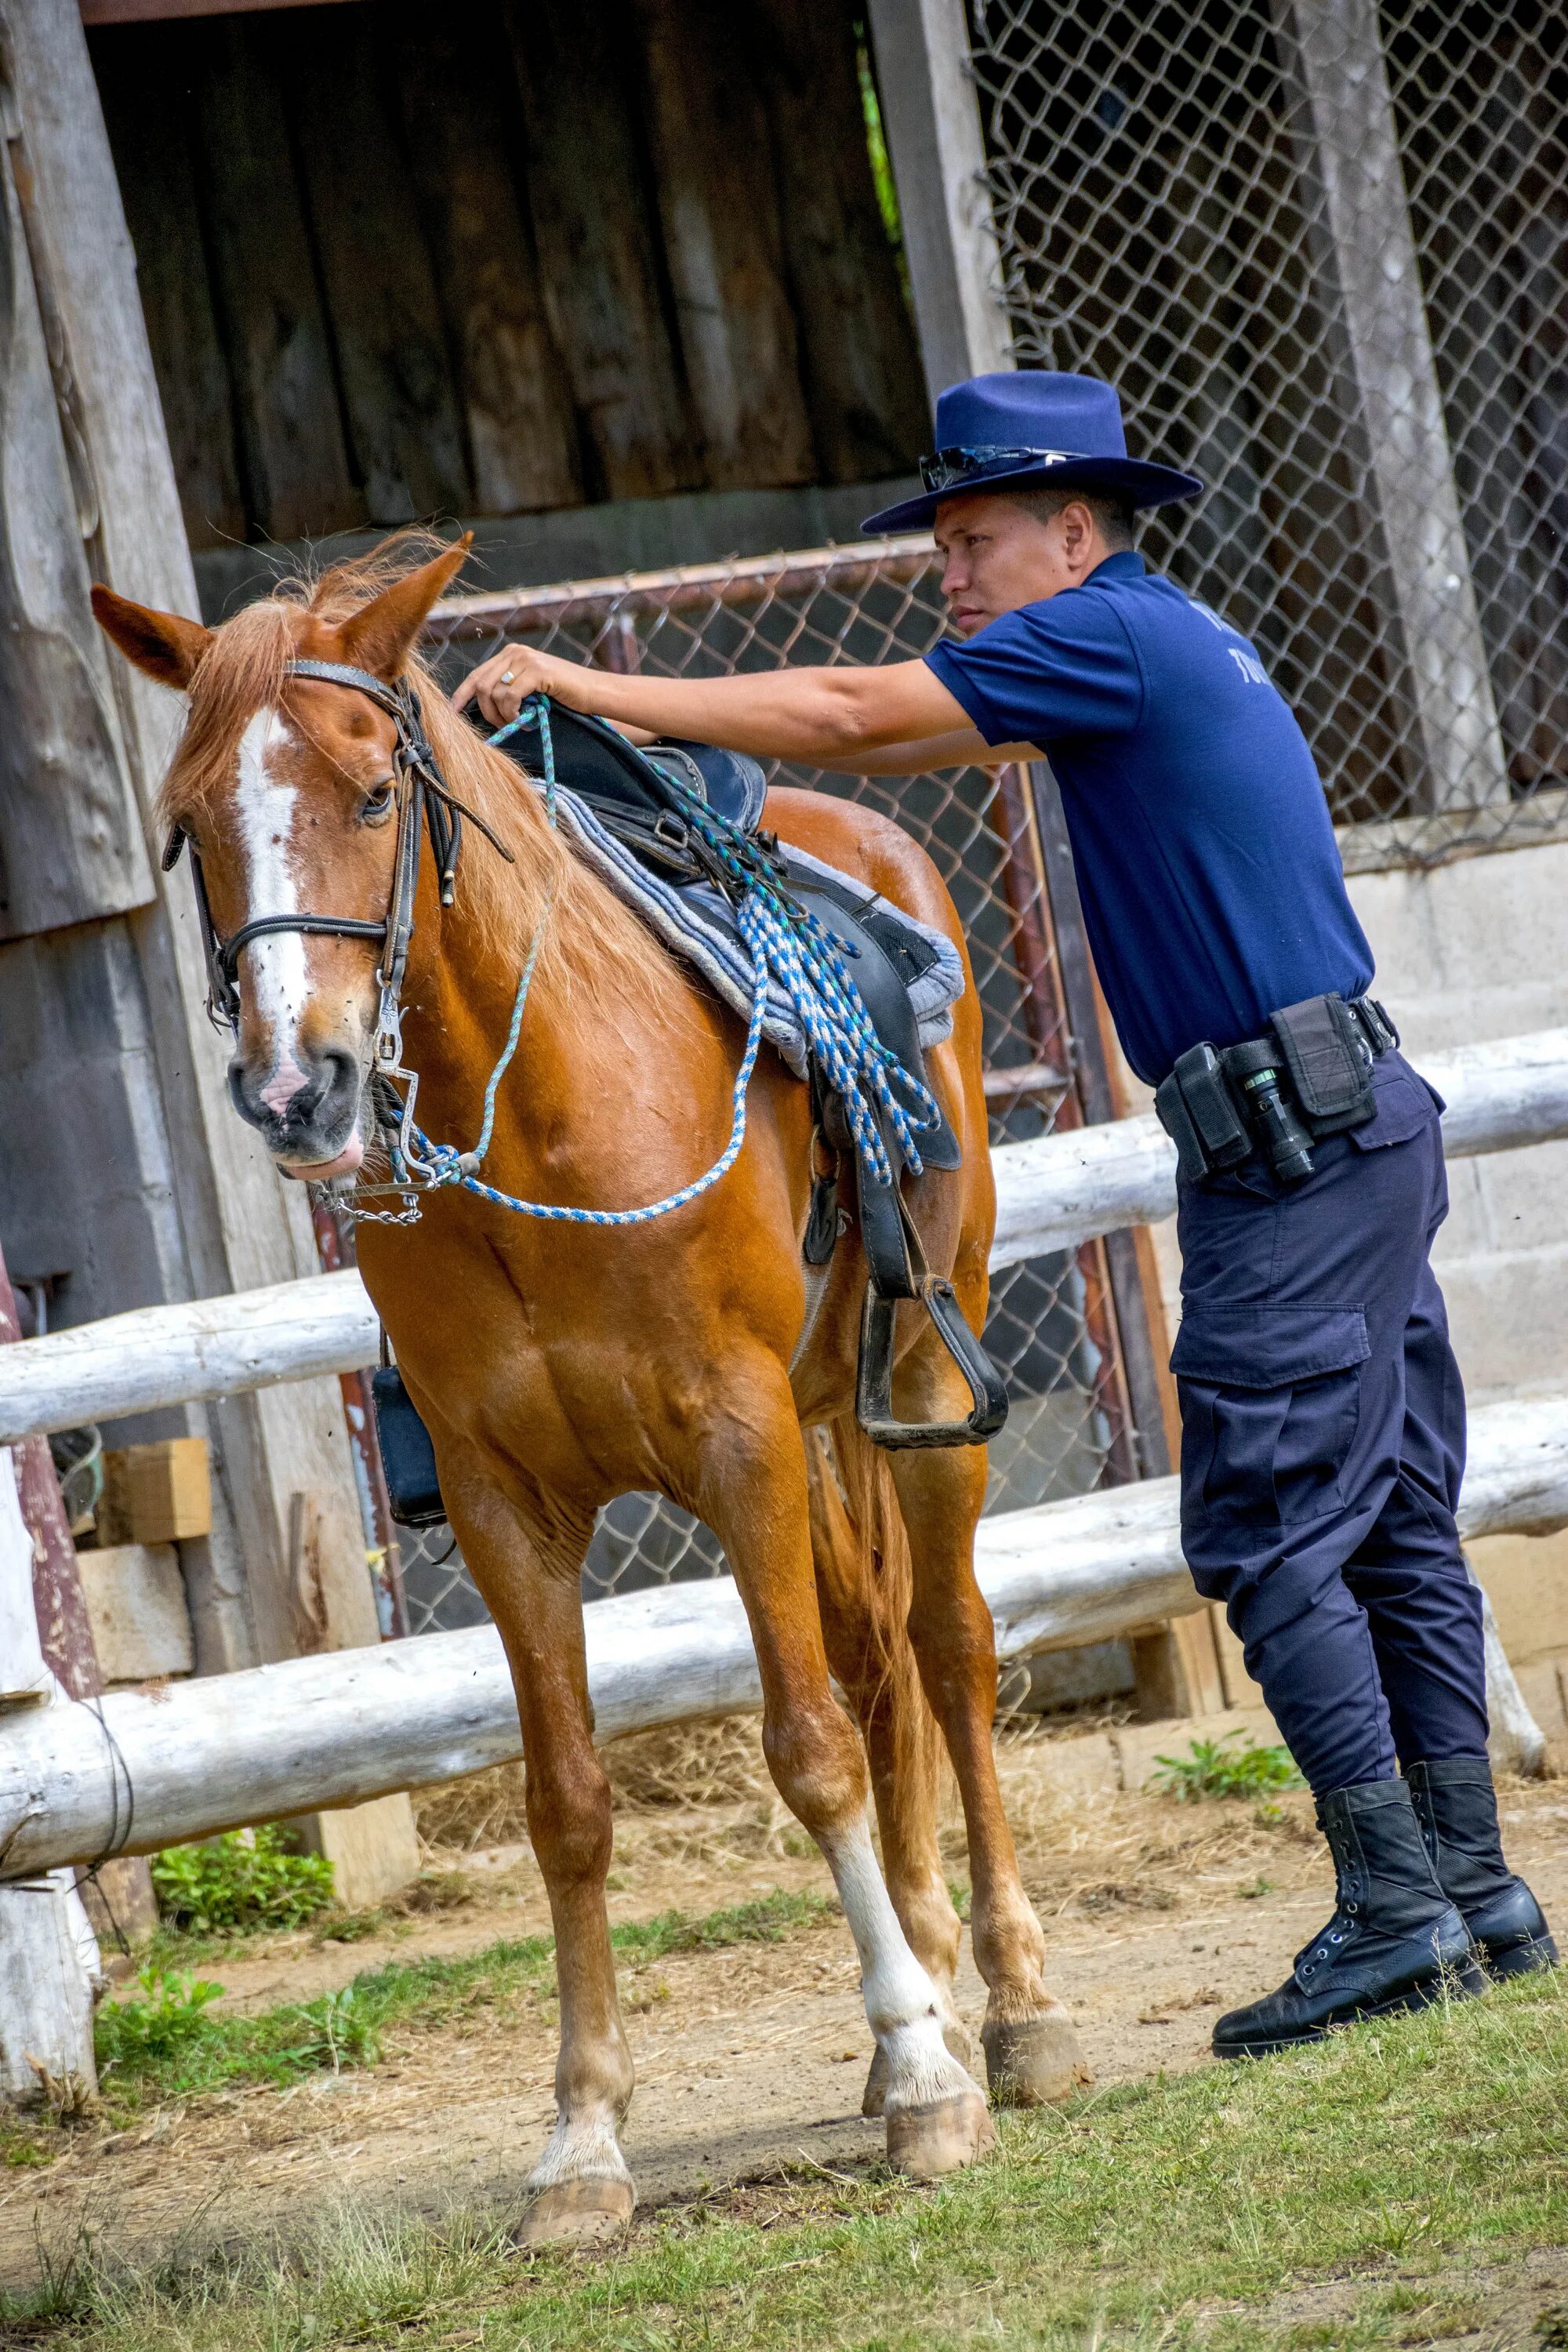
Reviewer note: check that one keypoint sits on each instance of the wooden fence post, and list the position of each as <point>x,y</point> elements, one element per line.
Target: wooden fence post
<point>931,118</point>
<point>1355,197</point>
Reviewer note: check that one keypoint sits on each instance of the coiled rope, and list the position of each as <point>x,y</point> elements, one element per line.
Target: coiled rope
<point>788,945</point>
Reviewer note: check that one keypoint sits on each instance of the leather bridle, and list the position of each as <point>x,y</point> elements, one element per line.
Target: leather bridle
<point>425,803</point>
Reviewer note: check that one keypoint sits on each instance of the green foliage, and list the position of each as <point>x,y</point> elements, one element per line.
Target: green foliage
<point>157,2023</point>
<point>165,2042</point>
<point>1218,1768</point>
<point>877,146</point>
<point>247,1879</point>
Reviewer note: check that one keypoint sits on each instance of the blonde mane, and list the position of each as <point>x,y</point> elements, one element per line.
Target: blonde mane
<point>594,946</point>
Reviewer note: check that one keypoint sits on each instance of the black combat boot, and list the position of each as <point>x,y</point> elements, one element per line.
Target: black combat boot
<point>1393,1935</point>
<point>1456,1805</point>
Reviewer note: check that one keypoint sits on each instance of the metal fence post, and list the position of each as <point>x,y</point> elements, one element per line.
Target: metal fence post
<point>1331,57</point>
<point>933,121</point>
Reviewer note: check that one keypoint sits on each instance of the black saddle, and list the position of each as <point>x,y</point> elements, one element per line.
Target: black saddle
<point>637,796</point>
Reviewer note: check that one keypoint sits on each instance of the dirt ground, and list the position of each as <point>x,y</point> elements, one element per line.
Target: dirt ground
<point>1157,1916</point>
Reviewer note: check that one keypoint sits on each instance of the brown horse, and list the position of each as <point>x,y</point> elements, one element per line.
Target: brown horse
<point>558,1366</point>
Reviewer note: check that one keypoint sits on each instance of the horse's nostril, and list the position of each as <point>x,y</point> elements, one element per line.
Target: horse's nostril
<point>295,1094</point>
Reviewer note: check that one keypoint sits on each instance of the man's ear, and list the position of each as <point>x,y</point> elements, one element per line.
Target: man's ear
<point>165,644</point>
<point>381,636</point>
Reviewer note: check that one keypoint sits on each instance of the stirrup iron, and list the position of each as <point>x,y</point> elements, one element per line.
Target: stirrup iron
<point>873,1376</point>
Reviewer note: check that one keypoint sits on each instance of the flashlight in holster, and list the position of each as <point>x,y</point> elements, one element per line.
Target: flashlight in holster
<point>1284,1138</point>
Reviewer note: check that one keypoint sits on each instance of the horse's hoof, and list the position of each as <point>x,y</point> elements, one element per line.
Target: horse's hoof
<point>941,2136</point>
<point>961,2044</point>
<point>586,2212</point>
<point>1036,2062</point>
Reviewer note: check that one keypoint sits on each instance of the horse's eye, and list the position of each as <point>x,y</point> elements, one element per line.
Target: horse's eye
<point>376,803</point>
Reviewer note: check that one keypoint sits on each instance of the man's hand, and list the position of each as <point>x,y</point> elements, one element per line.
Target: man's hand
<point>502,684</point>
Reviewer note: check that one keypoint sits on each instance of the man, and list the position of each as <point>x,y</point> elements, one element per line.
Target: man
<point>1324,1419</point>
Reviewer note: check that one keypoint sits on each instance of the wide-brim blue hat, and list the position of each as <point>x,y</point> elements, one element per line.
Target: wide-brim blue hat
<point>1029,427</point>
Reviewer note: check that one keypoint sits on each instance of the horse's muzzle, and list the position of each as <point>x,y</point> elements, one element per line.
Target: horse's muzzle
<point>306,1112</point>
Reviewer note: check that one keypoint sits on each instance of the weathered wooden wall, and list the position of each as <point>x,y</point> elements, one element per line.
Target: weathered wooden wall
<point>539,255</point>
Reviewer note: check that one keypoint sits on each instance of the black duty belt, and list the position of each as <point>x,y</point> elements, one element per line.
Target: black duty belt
<point>1309,1076</point>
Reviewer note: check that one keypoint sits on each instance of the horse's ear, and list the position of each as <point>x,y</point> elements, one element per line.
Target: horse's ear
<point>165,644</point>
<point>380,636</point>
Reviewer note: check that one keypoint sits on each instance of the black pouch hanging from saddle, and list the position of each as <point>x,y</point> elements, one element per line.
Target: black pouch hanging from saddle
<point>1330,1065</point>
<point>407,1457</point>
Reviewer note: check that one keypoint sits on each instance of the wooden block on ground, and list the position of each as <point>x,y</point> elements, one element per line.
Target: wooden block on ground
<point>135,1599</point>
<point>158,1494</point>
<point>374,1849</point>
<point>1176,1671</point>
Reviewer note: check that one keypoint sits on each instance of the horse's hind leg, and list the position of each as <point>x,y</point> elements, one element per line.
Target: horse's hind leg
<point>752,1490</point>
<point>863,1587</point>
<point>1032,2052</point>
<point>529,1574</point>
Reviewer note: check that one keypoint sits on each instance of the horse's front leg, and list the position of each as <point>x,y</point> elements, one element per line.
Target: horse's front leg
<point>528,1569</point>
<point>751,1488</point>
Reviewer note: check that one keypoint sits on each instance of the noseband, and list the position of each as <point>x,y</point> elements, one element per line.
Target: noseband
<point>425,803</point>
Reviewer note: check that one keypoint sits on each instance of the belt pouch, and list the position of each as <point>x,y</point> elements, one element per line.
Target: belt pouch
<point>1199,1111</point>
<point>1330,1066</point>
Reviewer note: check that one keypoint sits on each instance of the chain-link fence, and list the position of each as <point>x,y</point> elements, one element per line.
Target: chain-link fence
<point>1322,252</point>
<point>1054,1321</point>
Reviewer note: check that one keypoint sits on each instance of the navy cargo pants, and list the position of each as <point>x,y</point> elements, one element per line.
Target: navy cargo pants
<point>1323,1440</point>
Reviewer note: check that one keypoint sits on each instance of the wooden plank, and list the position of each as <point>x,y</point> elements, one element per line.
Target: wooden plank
<point>204,1755</point>
<point>405,431</point>
<point>70,841</point>
<point>460,143</point>
<point>140,79</point>
<point>932,120</point>
<point>591,211</point>
<point>858,355</point>
<point>1332,55</point>
<point>707,137</point>
<point>293,452</point>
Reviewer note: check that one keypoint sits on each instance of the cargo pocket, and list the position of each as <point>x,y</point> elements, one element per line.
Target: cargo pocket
<point>1403,1109</point>
<point>1270,1401</point>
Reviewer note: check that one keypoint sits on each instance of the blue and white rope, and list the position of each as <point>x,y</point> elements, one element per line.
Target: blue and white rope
<point>786,943</point>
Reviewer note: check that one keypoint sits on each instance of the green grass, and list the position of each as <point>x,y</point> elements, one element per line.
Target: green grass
<point>1219,1768</point>
<point>1164,2216</point>
<point>167,2041</point>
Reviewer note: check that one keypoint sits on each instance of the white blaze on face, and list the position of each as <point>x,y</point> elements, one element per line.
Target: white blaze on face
<point>275,967</point>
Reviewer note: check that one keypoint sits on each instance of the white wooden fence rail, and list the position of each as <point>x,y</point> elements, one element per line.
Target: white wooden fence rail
<point>1051,1195</point>
<point>137,1770</point>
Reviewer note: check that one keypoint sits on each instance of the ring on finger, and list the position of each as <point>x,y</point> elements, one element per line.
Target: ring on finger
<point>506,675</point>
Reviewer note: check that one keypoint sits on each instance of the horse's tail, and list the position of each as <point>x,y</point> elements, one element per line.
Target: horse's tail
<point>864,1582</point>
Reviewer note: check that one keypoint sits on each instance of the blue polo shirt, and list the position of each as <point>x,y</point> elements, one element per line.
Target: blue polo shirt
<point>1212,887</point>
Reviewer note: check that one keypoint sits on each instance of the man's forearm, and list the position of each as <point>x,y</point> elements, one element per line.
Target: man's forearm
<point>818,716</point>
<point>965,748</point>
